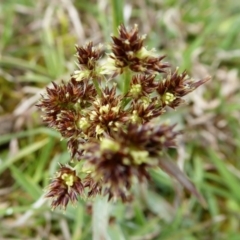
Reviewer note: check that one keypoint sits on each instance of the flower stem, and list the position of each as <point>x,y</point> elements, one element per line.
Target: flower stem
<point>127,80</point>
<point>100,218</point>
<point>117,14</point>
<point>96,85</point>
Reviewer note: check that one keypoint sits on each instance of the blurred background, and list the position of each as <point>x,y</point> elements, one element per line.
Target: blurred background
<point>37,46</point>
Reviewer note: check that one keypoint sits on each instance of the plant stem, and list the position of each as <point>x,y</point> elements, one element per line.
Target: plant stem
<point>117,14</point>
<point>100,218</point>
<point>96,85</point>
<point>126,81</point>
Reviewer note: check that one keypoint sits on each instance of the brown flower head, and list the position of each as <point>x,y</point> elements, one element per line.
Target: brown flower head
<point>62,105</point>
<point>128,50</point>
<point>143,111</point>
<point>127,155</point>
<point>126,46</point>
<point>65,187</point>
<point>142,86</point>
<point>66,123</point>
<point>88,55</point>
<point>106,114</point>
<point>175,86</point>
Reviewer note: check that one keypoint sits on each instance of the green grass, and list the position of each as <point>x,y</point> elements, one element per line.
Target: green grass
<point>37,41</point>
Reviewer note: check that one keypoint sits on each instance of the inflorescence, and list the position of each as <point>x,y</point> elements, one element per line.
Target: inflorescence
<point>108,112</point>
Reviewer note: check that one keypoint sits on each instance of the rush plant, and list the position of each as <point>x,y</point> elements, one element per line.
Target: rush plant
<point>110,112</point>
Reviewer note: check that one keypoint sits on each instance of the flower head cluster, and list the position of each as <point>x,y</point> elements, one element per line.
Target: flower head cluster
<point>108,121</point>
<point>128,51</point>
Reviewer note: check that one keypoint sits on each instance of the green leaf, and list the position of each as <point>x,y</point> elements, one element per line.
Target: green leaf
<point>26,182</point>
<point>227,177</point>
<point>23,153</point>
